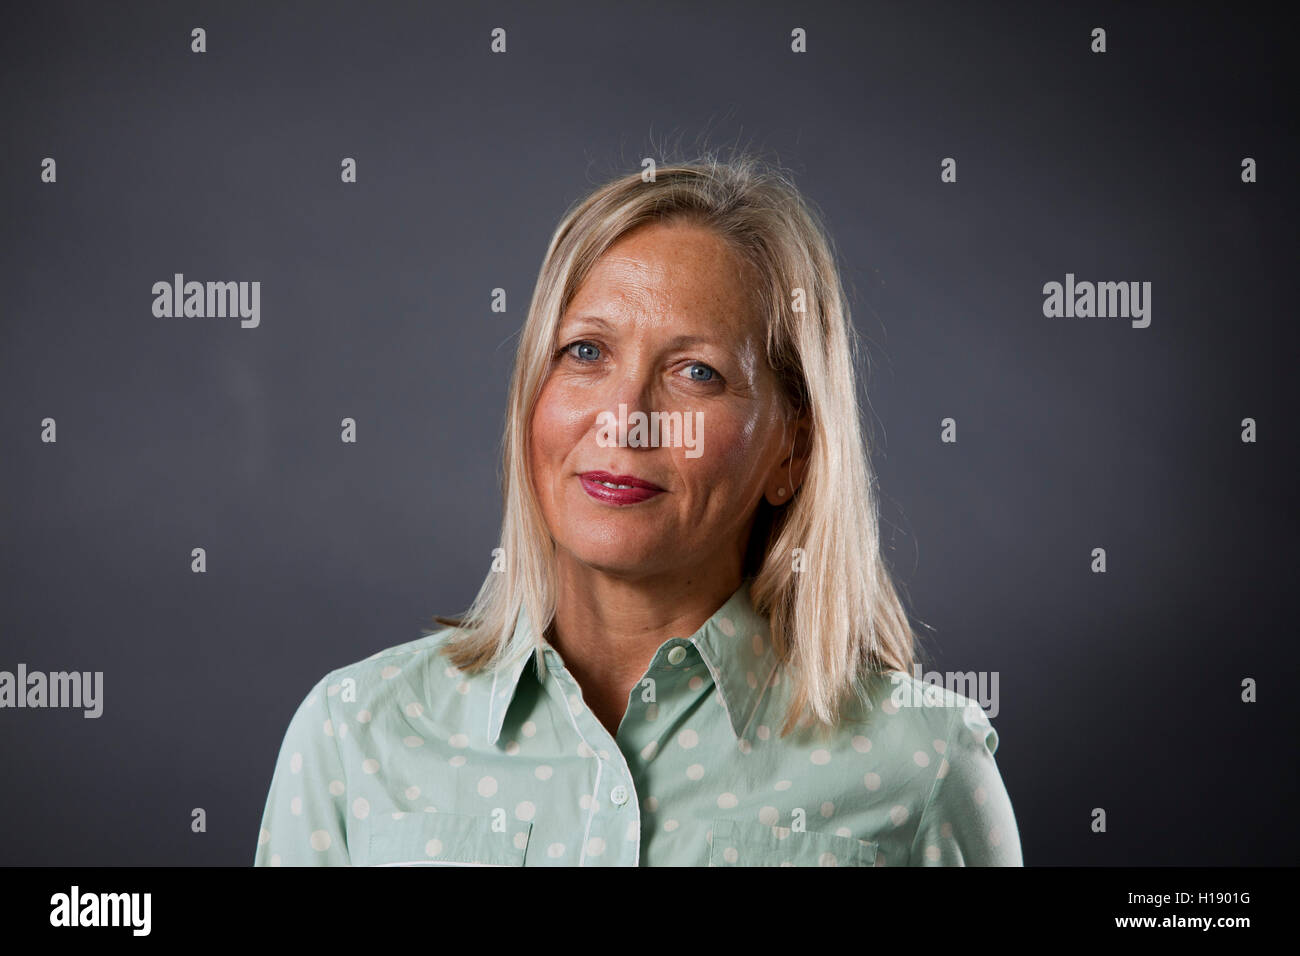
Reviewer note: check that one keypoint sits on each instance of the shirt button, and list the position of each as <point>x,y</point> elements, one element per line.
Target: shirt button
<point>618,795</point>
<point>677,655</point>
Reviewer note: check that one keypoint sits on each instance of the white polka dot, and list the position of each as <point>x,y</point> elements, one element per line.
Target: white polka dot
<point>932,853</point>
<point>521,841</point>
<point>397,815</point>
<point>995,837</point>
<point>727,800</point>
<point>781,785</point>
<point>921,758</point>
<point>730,854</point>
<point>584,749</point>
<point>264,837</point>
<point>555,851</point>
<point>980,795</point>
<point>827,808</point>
<point>861,744</point>
<point>651,711</point>
<point>670,825</point>
<point>649,750</point>
<point>872,780</point>
<point>529,728</point>
<point>389,672</point>
<point>458,760</point>
<point>413,741</point>
<point>764,731</point>
<point>940,746</point>
<point>343,730</point>
<point>458,740</point>
<point>512,748</point>
<point>412,792</point>
<point>543,773</point>
<point>295,806</point>
<point>943,768</point>
<point>843,831</point>
<point>695,683</point>
<point>652,804</point>
<point>946,831</point>
<point>433,847</point>
<point>898,814</point>
<point>336,787</point>
<point>727,626</point>
<point>525,811</point>
<point>295,763</point>
<point>820,757</point>
<point>632,833</point>
<point>688,739</point>
<point>487,786</point>
<point>320,840</point>
<point>462,687</point>
<point>595,846</point>
<point>575,703</point>
<point>695,771</point>
<point>363,716</point>
<point>889,707</point>
<point>329,728</point>
<point>584,801</point>
<point>275,859</point>
<point>361,808</point>
<point>414,709</point>
<point>827,859</point>
<point>751,678</point>
<point>744,746</point>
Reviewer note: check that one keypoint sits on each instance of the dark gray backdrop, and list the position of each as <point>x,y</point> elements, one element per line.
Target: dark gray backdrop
<point>1118,691</point>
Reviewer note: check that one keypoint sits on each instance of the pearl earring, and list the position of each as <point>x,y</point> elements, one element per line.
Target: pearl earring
<point>781,493</point>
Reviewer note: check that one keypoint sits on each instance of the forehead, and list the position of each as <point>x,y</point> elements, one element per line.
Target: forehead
<point>674,273</point>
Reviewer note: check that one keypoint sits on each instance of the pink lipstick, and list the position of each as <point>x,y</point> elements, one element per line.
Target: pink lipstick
<point>618,489</point>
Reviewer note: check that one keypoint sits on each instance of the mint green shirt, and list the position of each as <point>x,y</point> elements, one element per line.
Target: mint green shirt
<point>400,759</point>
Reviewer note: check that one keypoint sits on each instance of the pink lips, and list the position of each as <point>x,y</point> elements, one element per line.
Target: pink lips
<point>638,490</point>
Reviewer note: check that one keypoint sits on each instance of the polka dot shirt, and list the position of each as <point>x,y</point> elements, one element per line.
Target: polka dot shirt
<point>402,760</point>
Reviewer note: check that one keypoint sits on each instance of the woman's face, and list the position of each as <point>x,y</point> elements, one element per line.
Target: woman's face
<point>662,324</point>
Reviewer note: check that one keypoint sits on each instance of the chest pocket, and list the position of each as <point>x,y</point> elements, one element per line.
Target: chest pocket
<point>747,843</point>
<point>444,839</point>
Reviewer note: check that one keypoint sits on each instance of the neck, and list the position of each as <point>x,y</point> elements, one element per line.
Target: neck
<point>607,628</point>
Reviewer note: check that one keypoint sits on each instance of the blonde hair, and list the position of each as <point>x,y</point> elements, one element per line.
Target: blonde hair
<point>840,619</point>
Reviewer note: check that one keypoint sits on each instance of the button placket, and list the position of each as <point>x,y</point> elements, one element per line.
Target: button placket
<point>601,747</point>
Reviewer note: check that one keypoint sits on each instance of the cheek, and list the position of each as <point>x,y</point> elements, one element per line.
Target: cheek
<point>558,426</point>
<point>733,453</point>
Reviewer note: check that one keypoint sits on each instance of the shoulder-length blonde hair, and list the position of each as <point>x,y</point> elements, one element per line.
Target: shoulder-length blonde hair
<point>839,619</point>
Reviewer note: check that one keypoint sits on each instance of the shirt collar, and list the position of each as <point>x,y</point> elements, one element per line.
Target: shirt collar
<point>735,645</point>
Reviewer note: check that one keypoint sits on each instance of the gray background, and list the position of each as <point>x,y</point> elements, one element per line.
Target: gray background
<point>1117,691</point>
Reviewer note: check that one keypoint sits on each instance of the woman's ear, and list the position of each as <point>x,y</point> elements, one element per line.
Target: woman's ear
<point>790,468</point>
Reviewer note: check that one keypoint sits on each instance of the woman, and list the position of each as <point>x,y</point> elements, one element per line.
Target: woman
<point>689,512</point>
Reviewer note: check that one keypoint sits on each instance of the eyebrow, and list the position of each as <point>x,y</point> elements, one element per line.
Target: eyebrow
<point>677,341</point>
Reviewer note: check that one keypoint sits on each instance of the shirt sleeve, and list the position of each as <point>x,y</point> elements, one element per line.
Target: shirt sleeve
<point>304,823</point>
<point>968,820</point>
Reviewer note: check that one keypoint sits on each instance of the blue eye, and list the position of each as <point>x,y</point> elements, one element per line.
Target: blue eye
<point>709,377</point>
<point>583,345</point>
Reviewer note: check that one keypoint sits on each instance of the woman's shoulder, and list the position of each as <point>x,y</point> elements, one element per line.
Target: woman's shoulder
<point>401,664</point>
<point>933,713</point>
